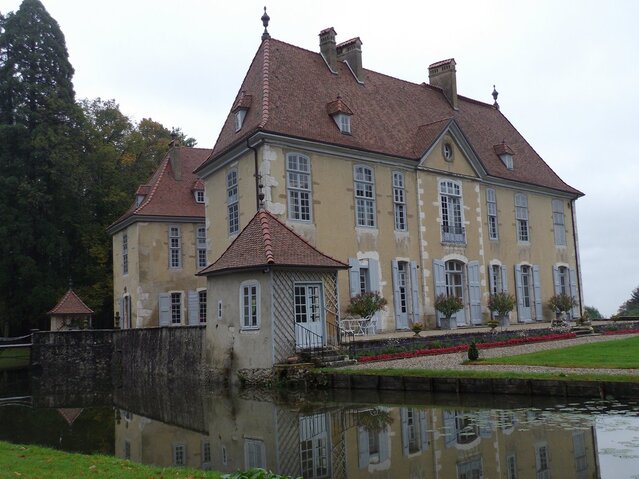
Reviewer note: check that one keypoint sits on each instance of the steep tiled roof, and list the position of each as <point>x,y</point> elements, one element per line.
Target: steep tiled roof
<point>291,88</point>
<point>164,195</point>
<point>70,304</point>
<point>265,242</point>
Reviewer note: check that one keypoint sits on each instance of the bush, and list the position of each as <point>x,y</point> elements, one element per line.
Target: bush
<point>366,304</point>
<point>255,473</point>
<point>561,303</point>
<point>448,305</point>
<point>473,352</point>
<point>501,303</point>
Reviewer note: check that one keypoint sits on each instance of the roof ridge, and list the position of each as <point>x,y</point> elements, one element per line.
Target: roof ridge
<point>265,81</point>
<point>266,237</point>
<point>154,188</point>
<point>477,102</point>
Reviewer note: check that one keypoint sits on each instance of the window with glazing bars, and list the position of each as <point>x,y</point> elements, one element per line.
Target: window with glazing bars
<point>125,254</point>
<point>175,247</point>
<point>491,207</point>
<point>299,187</point>
<point>521,214</point>
<point>201,246</point>
<point>232,202</point>
<point>399,201</point>
<point>364,196</point>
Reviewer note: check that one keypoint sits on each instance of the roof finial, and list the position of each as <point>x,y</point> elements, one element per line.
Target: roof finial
<point>265,19</point>
<point>70,283</point>
<point>495,94</point>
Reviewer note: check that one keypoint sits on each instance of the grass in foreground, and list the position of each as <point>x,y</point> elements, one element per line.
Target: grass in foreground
<point>31,462</point>
<point>617,354</point>
<point>470,373</point>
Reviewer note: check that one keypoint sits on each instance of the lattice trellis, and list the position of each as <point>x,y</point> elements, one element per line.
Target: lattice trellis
<point>284,307</point>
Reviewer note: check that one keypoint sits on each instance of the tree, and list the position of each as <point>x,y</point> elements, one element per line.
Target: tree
<point>592,312</point>
<point>631,306</point>
<point>40,170</point>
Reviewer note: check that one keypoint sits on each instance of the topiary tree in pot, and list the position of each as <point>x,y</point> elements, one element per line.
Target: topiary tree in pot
<point>447,306</point>
<point>501,304</point>
<point>561,303</point>
<point>366,304</point>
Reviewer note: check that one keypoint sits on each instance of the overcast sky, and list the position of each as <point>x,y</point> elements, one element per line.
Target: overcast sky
<point>567,73</point>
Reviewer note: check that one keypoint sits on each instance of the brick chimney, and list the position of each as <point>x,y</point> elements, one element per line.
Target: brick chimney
<point>174,157</point>
<point>443,75</point>
<point>327,48</point>
<point>350,52</point>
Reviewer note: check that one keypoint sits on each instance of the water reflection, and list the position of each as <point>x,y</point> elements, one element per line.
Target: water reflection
<point>356,440</point>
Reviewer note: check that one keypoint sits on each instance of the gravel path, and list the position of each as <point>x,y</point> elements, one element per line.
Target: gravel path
<point>453,361</point>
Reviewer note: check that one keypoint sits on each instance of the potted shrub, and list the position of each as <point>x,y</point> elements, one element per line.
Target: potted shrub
<point>417,328</point>
<point>561,303</point>
<point>365,305</point>
<point>501,304</point>
<point>447,306</point>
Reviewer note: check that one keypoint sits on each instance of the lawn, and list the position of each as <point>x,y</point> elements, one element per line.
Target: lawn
<point>618,354</point>
<point>12,358</point>
<point>32,462</point>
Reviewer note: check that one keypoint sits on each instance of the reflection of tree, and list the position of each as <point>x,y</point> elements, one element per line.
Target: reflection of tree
<point>375,420</point>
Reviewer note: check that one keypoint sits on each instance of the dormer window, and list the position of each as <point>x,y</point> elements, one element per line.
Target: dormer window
<point>199,196</point>
<point>239,119</point>
<point>505,154</point>
<point>341,114</point>
<point>139,199</point>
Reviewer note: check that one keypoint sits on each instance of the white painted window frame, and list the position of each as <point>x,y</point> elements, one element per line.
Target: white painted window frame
<point>559,222</point>
<point>252,320</point>
<point>298,183</point>
<point>200,245</point>
<point>399,201</point>
<point>175,247</point>
<point>491,211</point>
<point>125,253</point>
<point>365,199</point>
<point>451,202</point>
<point>232,202</point>
<point>521,215</point>
<point>176,308</point>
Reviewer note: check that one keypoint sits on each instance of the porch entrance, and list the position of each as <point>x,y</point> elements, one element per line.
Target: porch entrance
<point>309,316</point>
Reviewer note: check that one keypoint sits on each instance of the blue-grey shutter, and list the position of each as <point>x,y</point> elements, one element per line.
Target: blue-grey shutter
<point>491,280</point>
<point>194,307</point>
<point>373,276</point>
<point>384,452</point>
<point>504,279</point>
<point>353,276</point>
<point>396,301</point>
<point>520,294</point>
<point>474,288</point>
<point>439,276</point>
<point>450,434</point>
<point>362,447</point>
<point>555,279</point>
<point>165,309</point>
<point>403,414</point>
<point>537,286</point>
<point>414,292</point>
<point>373,273</point>
<point>423,430</point>
<point>573,292</point>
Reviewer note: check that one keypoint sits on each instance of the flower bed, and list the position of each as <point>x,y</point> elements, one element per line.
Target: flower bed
<point>620,331</point>
<point>464,347</point>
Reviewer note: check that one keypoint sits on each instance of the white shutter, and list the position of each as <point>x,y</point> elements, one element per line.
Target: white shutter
<point>439,276</point>
<point>165,309</point>
<point>396,301</point>
<point>475,292</point>
<point>353,276</point>
<point>520,294</point>
<point>504,279</point>
<point>414,292</point>
<point>373,273</point>
<point>573,292</point>
<point>362,447</point>
<point>537,287</point>
<point>556,280</point>
<point>403,414</point>
<point>194,307</point>
<point>423,431</point>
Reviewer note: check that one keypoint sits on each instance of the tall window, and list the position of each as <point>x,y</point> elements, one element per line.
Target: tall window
<point>526,286</point>
<point>558,220</point>
<point>541,460</point>
<point>521,214</point>
<point>399,201</point>
<point>125,254</point>
<point>250,305</point>
<point>402,286</point>
<point>175,247</point>
<point>455,279</point>
<point>254,453</point>
<point>201,246</point>
<point>364,196</point>
<point>491,207</point>
<point>563,283</point>
<point>451,204</point>
<point>176,308</point>
<point>232,202</point>
<point>299,187</point>
<point>179,454</point>
<point>202,305</point>
<point>496,285</point>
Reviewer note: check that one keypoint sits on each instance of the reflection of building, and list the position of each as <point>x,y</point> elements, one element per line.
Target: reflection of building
<point>361,442</point>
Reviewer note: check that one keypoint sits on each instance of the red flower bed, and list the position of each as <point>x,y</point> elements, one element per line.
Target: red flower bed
<point>621,331</point>
<point>464,347</point>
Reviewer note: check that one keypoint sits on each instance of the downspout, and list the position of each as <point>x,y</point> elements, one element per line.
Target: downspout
<point>421,245</point>
<point>256,175</point>
<point>577,262</point>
